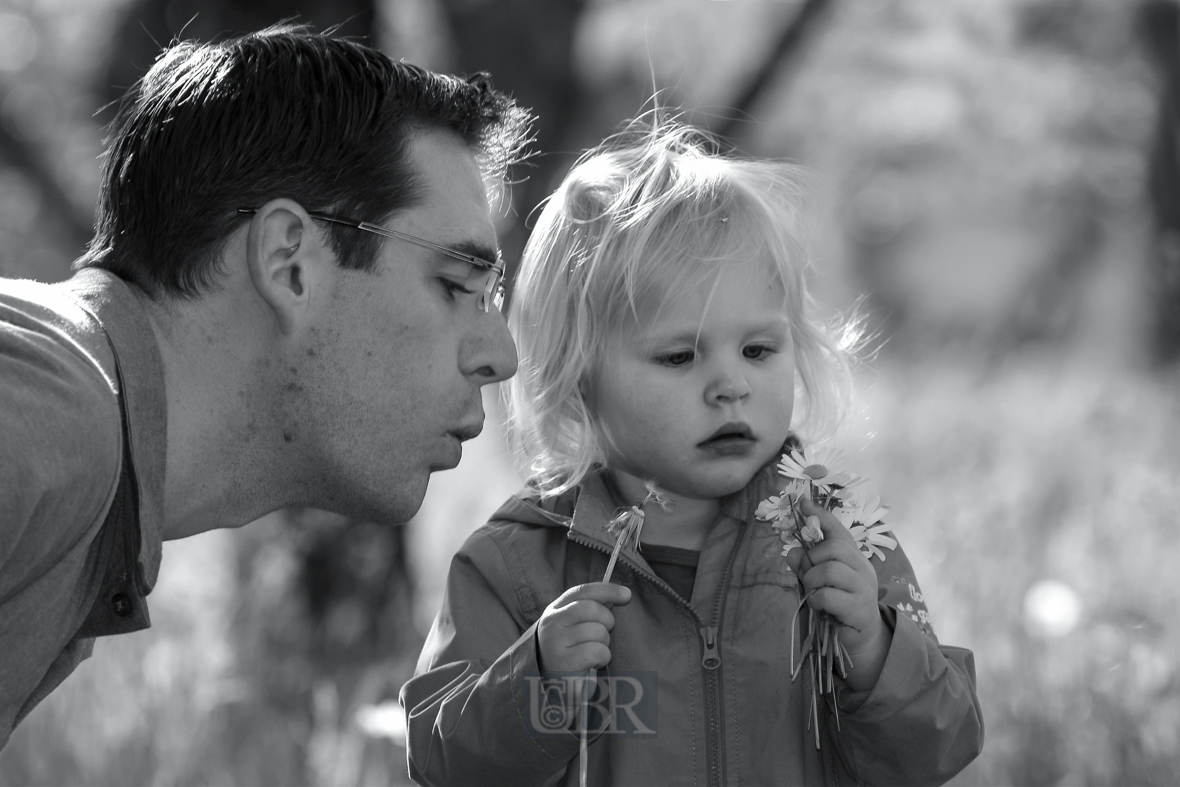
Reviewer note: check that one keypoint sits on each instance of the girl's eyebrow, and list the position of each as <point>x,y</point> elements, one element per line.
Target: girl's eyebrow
<point>688,337</point>
<point>691,335</point>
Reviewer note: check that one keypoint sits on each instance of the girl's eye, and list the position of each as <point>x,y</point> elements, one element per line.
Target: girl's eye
<point>757,352</point>
<point>678,358</point>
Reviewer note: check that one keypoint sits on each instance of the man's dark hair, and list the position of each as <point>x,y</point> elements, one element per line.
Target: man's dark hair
<point>278,113</point>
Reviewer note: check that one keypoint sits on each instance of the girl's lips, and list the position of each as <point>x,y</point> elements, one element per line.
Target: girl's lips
<point>731,429</point>
<point>732,438</point>
<point>729,445</point>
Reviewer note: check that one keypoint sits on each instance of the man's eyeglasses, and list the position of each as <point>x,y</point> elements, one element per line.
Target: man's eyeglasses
<point>486,277</point>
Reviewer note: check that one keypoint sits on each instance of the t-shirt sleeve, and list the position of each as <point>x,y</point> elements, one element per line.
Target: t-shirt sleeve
<point>60,438</point>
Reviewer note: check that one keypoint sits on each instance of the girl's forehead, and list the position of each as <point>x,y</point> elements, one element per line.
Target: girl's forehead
<point>743,296</point>
<point>690,286</point>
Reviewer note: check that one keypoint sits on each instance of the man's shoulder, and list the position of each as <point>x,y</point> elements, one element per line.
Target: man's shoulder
<point>59,415</point>
<point>46,322</point>
<point>56,367</point>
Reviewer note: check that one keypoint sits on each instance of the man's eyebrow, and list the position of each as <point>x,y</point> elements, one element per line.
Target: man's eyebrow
<point>476,249</point>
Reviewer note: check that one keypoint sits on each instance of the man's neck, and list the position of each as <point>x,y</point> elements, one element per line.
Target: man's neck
<point>221,459</point>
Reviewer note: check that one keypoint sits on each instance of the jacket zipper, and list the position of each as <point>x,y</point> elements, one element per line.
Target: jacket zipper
<point>711,666</point>
<point>710,653</point>
<point>714,730</point>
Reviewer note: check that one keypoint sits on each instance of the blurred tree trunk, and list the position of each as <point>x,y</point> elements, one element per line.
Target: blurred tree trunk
<point>1160,31</point>
<point>527,45</point>
<point>784,54</point>
<point>324,627</point>
<point>29,157</point>
<point>1047,308</point>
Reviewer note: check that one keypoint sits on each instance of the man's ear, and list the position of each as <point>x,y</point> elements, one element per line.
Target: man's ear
<point>285,259</point>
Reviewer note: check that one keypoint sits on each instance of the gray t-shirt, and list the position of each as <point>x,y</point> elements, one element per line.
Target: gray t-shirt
<point>61,452</point>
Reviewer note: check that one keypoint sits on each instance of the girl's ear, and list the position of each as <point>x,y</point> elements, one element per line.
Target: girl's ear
<point>586,389</point>
<point>285,259</point>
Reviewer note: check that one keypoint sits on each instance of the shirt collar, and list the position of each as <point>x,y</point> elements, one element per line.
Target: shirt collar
<point>113,303</point>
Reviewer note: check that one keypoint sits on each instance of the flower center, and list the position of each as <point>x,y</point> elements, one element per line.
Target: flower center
<point>815,471</point>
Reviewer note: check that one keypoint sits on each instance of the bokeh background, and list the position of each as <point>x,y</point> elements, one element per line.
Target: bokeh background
<point>999,180</point>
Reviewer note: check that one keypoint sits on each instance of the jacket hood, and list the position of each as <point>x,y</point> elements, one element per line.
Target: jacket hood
<point>528,507</point>
<point>588,507</point>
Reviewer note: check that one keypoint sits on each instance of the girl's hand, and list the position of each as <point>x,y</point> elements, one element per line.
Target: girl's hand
<point>845,586</point>
<point>573,634</point>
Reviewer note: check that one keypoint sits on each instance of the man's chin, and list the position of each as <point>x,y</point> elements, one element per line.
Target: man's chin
<point>398,499</point>
<point>396,507</point>
<point>453,455</point>
<point>449,464</point>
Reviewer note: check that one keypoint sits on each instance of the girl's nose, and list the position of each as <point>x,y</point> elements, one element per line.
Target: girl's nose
<point>727,388</point>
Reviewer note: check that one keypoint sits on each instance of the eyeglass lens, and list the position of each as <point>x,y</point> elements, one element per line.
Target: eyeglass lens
<point>490,284</point>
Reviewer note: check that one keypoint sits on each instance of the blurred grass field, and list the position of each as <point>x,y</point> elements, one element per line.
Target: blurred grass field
<point>1044,471</point>
<point>1031,471</point>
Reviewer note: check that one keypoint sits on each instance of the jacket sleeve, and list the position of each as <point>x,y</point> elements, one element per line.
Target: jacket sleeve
<point>468,706</point>
<point>921,723</point>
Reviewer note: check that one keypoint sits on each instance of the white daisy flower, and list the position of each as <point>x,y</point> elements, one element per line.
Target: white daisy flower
<point>781,507</point>
<point>824,469</point>
<point>863,518</point>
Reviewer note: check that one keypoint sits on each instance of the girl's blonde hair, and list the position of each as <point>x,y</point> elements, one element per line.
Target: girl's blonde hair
<point>638,219</point>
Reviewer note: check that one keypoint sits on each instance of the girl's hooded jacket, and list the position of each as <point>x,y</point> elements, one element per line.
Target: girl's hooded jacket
<point>701,687</point>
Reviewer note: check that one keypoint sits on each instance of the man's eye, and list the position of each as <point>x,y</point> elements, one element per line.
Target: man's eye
<point>756,352</point>
<point>678,358</point>
<point>454,288</point>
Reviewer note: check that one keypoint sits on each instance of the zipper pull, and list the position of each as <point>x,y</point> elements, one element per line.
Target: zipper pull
<point>711,658</point>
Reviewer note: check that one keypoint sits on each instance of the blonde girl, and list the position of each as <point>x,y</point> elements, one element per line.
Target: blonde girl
<point>669,352</point>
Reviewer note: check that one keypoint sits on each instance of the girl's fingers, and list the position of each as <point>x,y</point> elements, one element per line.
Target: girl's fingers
<point>840,604</point>
<point>833,529</point>
<point>586,612</point>
<point>585,634</point>
<point>600,592</point>
<point>592,656</point>
<point>798,561</point>
<point>833,574</point>
<point>832,550</point>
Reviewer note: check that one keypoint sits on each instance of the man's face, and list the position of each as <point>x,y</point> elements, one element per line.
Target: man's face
<point>402,353</point>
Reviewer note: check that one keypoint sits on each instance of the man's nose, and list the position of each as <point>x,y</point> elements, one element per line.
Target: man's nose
<point>490,354</point>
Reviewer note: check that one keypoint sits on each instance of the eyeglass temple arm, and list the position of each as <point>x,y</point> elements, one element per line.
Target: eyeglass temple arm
<point>471,259</point>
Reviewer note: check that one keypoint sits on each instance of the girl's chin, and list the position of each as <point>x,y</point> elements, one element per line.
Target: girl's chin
<point>709,488</point>
<point>710,483</point>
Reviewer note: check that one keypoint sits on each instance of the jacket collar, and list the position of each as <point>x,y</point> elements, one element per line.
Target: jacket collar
<point>588,509</point>
<point>112,303</point>
<point>594,511</point>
